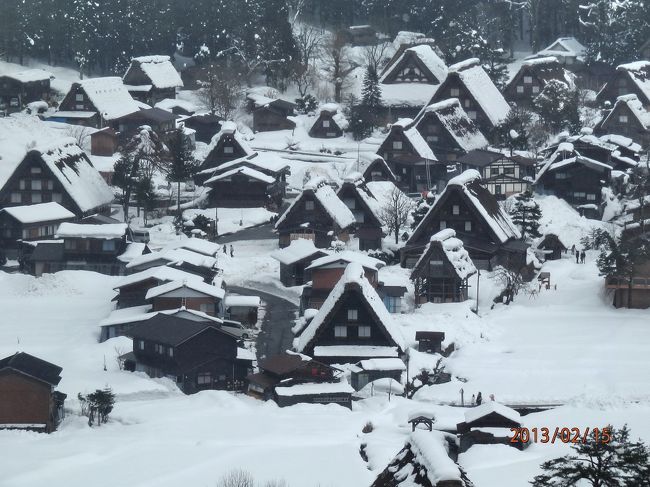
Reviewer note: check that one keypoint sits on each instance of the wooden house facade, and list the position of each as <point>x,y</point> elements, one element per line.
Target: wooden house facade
<point>226,146</point>
<point>502,175</point>
<point>316,214</point>
<point>480,98</point>
<point>151,79</point>
<point>294,259</point>
<point>371,166</point>
<point>441,272</point>
<point>551,246</point>
<point>96,102</point>
<point>245,187</point>
<point>365,208</point>
<point>450,133</point>
<point>628,118</point>
<point>60,173</point>
<point>629,79</point>
<point>205,125</point>
<point>532,77</point>
<point>487,232</point>
<point>32,222</point>
<point>161,122</point>
<point>410,158</point>
<point>325,126</point>
<point>29,398</point>
<point>352,325</point>
<point>192,294</point>
<point>20,88</point>
<point>195,355</point>
<point>631,292</point>
<point>104,142</point>
<point>370,370</point>
<point>488,424</point>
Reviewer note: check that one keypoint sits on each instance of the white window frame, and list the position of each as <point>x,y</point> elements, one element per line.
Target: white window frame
<point>326,124</point>
<point>353,314</point>
<point>520,89</point>
<point>622,119</point>
<point>535,89</point>
<point>468,226</point>
<point>454,92</point>
<point>340,331</point>
<point>443,224</point>
<point>455,210</point>
<point>228,149</point>
<point>528,80</point>
<point>364,331</point>
<point>309,205</point>
<point>398,145</point>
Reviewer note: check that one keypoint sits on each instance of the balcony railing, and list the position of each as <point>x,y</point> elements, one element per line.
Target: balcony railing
<point>615,282</point>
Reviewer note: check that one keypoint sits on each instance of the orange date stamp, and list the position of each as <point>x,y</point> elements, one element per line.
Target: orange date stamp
<point>561,435</point>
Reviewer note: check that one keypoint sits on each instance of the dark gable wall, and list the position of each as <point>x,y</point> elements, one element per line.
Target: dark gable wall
<point>218,156</point>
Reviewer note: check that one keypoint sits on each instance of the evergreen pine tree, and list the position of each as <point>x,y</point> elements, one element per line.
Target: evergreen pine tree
<point>182,166</point>
<point>421,209</point>
<point>611,459</point>
<point>558,107</point>
<point>526,215</point>
<point>370,99</point>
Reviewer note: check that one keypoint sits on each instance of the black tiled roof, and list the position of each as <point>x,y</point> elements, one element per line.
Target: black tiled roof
<point>33,366</point>
<point>171,330</point>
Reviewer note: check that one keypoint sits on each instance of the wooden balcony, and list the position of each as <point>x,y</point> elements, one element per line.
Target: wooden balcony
<point>624,283</point>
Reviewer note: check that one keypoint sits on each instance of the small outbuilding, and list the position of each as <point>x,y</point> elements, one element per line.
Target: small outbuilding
<point>489,424</point>
<point>328,124</point>
<point>242,308</point>
<point>430,341</point>
<point>295,258</point>
<point>370,370</point>
<point>551,246</point>
<point>104,142</point>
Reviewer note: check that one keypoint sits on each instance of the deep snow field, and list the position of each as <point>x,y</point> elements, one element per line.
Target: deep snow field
<point>566,346</point>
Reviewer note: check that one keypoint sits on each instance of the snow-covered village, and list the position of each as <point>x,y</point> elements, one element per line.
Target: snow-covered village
<point>325,243</point>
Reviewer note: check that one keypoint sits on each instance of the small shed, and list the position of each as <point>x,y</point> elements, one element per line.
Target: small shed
<point>361,35</point>
<point>295,258</point>
<point>206,126</point>
<point>103,142</point>
<point>325,126</point>
<point>315,393</point>
<point>551,246</point>
<point>489,424</point>
<point>242,308</point>
<point>417,418</point>
<point>430,341</point>
<point>370,370</point>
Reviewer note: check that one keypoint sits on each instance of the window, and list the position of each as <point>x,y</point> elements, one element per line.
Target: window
<point>79,106</point>
<point>36,198</point>
<point>472,114</point>
<point>353,314</point>
<point>228,149</point>
<point>510,171</point>
<point>468,226</point>
<point>535,89</point>
<point>204,378</point>
<point>309,205</point>
<point>579,194</point>
<point>432,138</point>
<point>364,331</point>
<point>36,184</point>
<point>520,89</point>
<point>326,124</point>
<point>561,175</point>
<point>70,244</point>
<point>622,118</point>
<point>393,304</point>
<point>205,308</point>
<point>591,197</point>
<point>341,331</point>
<point>455,209</point>
<point>16,198</point>
<point>141,344</point>
<point>528,80</point>
<point>159,349</point>
<point>170,351</point>
<point>35,170</point>
<point>397,144</point>
<point>454,92</point>
<point>443,224</point>
<point>22,184</point>
<point>467,102</point>
<point>108,245</point>
<point>350,203</point>
<point>79,97</point>
<point>57,197</point>
<point>497,189</point>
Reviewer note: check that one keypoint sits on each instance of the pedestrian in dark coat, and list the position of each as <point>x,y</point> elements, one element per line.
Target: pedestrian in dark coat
<point>573,249</point>
<point>577,256</point>
<point>583,254</point>
<point>479,399</point>
<point>225,249</point>
<point>232,252</point>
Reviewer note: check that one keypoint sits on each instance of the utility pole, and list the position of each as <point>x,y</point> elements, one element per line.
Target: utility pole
<point>216,219</point>
<point>478,282</point>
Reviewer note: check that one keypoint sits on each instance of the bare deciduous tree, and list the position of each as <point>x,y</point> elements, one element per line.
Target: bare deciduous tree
<point>119,353</point>
<point>220,90</point>
<point>79,133</point>
<point>309,41</point>
<point>338,65</point>
<point>237,478</point>
<point>395,212</point>
<point>511,282</point>
<point>376,56</point>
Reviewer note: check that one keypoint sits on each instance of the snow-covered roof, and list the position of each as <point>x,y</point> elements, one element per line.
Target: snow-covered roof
<point>355,351</point>
<point>104,232</point>
<point>415,138</point>
<point>429,58</point>
<point>407,95</point>
<point>71,166</point>
<point>349,257</point>
<point>259,161</point>
<point>636,107</point>
<point>326,196</point>
<point>431,450</point>
<point>242,301</point>
<point>246,171</point>
<point>621,141</point>
<point>298,250</point>
<point>564,46</point>
<point>175,255</point>
<point>454,251</point>
<point>198,245</point>
<point>452,116</point>
<point>353,275</point>
<point>245,354</point>
<point>195,285</point>
<point>484,203</point>
<point>230,127</point>
<point>109,96</point>
<point>133,250</point>
<point>478,83</point>
<point>171,103</point>
<point>158,273</point>
<point>553,164</point>
<point>29,75</point>
<point>41,212</point>
<point>538,61</point>
<point>312,388</point>
<point>382,364</point>
<point>639,72</point>
<point>489,407</point>
<point>160,70</point>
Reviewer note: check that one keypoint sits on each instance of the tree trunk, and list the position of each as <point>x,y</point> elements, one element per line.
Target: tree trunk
<point>178,197</point>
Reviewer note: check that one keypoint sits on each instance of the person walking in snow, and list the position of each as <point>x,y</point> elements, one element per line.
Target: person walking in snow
<point>473,399</point>
<point>583,254</point>
<point>491,397</point>
<point>577,256</point>
<point>573,249</point>
<point>479,398</point>
<point>225,249</point>
<point>232,251</point>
